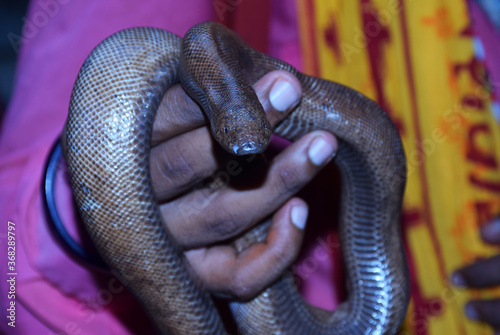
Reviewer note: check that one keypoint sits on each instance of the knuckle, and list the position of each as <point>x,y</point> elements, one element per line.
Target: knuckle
<point>223,228</point>
<point>288,180</point>
<point>283,257</point>
<point>241,289</point>
<point>177,169</point>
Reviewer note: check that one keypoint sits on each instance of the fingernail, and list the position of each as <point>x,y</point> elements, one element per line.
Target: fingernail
<point>299,216</point>
<point>458,280</point>
<point>320,151</point>
<point>491,231</point>
<point>283,95</point>
<point>471,312</point>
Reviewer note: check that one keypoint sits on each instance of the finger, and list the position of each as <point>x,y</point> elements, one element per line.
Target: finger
<point>278,92</point>
<point>209,215</point>
<point>187,158</point>
<point>484,310</point>
<point>483,273</point>
<point>177,114</point>
<point>230,274</point>
<point>184,161</point>
<point>490,233</point>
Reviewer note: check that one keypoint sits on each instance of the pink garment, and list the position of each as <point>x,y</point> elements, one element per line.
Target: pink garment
<point>487,48</point>
<point>53,293</point>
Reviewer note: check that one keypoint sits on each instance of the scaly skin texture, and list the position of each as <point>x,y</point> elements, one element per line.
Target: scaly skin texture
<point>106,143</point>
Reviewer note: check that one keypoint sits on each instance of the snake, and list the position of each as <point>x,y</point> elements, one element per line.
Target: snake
<point>106,144</point>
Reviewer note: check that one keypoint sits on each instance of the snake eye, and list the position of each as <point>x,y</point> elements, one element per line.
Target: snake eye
<point>226,130</point>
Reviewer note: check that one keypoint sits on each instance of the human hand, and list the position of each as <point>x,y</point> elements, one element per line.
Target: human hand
<point>481,274</point>
<point>203,219</point>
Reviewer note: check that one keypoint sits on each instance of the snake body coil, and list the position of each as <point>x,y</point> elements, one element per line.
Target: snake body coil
<point>107,140</point>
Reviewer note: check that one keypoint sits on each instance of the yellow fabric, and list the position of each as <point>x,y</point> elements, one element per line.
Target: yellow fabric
<point>437,95</point>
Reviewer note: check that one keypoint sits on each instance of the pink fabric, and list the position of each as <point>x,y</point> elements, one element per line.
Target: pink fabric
<point>489,44</point>
<point>490,38</point>
<point>284,37</point>
<point>53,293</point>
<point>51,287</point>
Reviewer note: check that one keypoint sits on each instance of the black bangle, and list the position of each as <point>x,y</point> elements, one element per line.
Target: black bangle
<point>56,225</point>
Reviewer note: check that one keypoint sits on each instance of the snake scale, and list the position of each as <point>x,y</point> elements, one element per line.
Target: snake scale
<point>106,143</point>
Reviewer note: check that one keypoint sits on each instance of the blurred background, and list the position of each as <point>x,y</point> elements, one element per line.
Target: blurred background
<point>11,24</point>
<point>13,12</point>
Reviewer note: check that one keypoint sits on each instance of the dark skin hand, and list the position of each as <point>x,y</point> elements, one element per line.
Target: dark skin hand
<point>203,219</point>
<point>482,274</point>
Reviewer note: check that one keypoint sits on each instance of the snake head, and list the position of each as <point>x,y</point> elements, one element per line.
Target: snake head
<point>242,130</point>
